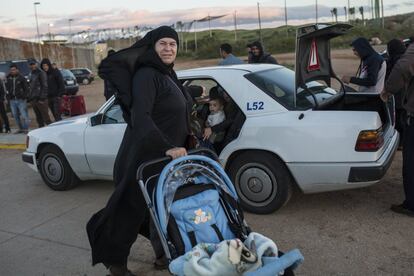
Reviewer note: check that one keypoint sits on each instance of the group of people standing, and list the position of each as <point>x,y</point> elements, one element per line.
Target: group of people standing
<point>255,54</point>
<point>43,89</point>
<point>392,76</point>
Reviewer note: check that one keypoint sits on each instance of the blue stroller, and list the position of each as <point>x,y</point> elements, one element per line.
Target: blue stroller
<point>193,202</point>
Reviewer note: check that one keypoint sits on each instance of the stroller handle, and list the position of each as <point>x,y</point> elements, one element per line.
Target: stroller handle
<point>144,165</point>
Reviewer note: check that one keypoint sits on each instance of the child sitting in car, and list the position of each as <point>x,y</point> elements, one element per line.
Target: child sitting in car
<point>216,116</point>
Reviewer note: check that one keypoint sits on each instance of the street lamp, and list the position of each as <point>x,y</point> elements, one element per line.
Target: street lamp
<point>37,27</point>
<point>50,33</point>
<point>70,20</point>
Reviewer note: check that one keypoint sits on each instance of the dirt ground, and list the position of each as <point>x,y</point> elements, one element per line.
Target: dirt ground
<point>339,233</point>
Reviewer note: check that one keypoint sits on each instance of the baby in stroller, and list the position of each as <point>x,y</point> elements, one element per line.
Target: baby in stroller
<point>201,226</point>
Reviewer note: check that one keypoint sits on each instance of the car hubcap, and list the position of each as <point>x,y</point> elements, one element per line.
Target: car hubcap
<point>256,184</point>
<point>53,169</point>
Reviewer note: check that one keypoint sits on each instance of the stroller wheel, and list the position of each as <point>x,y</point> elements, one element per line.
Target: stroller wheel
<point>262,181</point>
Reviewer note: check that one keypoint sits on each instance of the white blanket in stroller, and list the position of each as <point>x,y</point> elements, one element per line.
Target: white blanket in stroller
<point>232,257</point>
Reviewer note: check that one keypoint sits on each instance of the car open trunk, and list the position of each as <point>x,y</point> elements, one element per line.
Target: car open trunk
<point>357,101</point>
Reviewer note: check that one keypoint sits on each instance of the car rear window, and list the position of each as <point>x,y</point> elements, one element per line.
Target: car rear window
<point>279,84</point>
<point>66,73</point>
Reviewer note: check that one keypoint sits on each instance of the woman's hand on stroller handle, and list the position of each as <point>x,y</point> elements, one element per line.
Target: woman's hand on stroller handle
<point>175,153</point>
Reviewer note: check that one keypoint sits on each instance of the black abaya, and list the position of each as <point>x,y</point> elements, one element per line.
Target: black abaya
<point>159,121</point>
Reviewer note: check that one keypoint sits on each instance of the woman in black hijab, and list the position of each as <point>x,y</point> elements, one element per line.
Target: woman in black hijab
<point>156,109</point>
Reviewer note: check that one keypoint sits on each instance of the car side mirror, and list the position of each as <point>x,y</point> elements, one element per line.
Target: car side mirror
<point>97,119</point>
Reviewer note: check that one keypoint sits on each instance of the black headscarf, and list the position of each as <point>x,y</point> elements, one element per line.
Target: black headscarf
<point>120,67</point>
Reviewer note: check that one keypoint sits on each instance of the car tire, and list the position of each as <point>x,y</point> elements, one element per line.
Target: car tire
<point>262,181</point>
<point>55,169</point>
<point>85,81</point>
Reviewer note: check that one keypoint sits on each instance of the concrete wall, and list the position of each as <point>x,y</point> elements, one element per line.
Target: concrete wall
<point>65,57</point>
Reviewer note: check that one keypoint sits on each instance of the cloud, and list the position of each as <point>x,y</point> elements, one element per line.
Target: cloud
<point>121,18</point>
<point>7,21</point>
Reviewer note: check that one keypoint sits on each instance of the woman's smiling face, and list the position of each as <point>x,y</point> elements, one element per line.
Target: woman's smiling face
<point>166,49</point>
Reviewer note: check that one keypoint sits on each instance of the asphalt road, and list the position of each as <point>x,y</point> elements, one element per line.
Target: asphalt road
<point>42,232</point>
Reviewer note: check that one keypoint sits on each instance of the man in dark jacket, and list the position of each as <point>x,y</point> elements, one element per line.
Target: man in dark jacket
<point>18,93</point>
<point>372,69</point>
<point>258,54</point>
<point>395,49</point>
<point>38,94</point>
<point>55,87</point>
<point>3,113</point>
<point>402,79</point>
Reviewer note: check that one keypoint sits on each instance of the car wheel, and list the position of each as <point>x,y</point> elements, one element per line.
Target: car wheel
<point>85,81</point>
<point>55,169</point>
<point>262,182</point>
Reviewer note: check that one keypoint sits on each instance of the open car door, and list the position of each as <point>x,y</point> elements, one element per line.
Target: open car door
<point>313,57</point>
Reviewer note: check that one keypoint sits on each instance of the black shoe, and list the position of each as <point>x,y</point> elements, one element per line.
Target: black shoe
<point>402,210</point>
<point>120,271</point>
<point>161,263</point>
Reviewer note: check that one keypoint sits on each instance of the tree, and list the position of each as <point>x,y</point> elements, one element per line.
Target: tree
<point>335,13</point>
<point>361,11</point>
<point>351,13</point>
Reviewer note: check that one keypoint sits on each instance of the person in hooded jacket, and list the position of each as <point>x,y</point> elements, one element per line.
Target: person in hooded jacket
<point>156,109</point>
<point>258,54</point>
<point>371,72</point>
<point>55,88</point>
<point>38,94</point>
<point>400,79</point>
<point>395,49</point>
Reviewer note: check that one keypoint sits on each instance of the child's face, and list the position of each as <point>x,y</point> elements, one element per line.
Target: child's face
<point>215,105</point>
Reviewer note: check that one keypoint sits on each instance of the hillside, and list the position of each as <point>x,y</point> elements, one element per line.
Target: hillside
<point>280,40</point>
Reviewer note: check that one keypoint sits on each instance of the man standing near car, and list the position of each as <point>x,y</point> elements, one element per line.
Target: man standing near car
<point>228,58</point>
<point>18,93</point>
<point>55,87</point>
<point>401,78</point>
<point>38,94</point>
<point>259,56</point>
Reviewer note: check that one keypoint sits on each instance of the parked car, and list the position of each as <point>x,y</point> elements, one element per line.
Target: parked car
<point>83,75</point>
<point>71,85</point>
<point>22,65</point>
<point>297,131</point>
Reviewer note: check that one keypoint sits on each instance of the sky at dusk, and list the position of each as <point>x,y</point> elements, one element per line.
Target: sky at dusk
<point>17,18</point>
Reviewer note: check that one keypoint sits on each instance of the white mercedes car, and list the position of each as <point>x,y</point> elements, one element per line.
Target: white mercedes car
<point>296,131</point>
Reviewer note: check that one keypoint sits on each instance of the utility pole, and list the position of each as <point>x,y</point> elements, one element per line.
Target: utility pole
<point>37,27</point>
<point>209,25</point>
<point>235,25</point>
<point>372,9</point>
<point>71,42</point>
<point>195,35</point>
<point>382,11</point>
<point>316,11</point>
<point>286,26</point>
<point>260,23</point>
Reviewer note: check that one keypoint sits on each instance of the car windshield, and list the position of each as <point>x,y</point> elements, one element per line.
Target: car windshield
<point>280,85</point>
<point>66,73</point>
